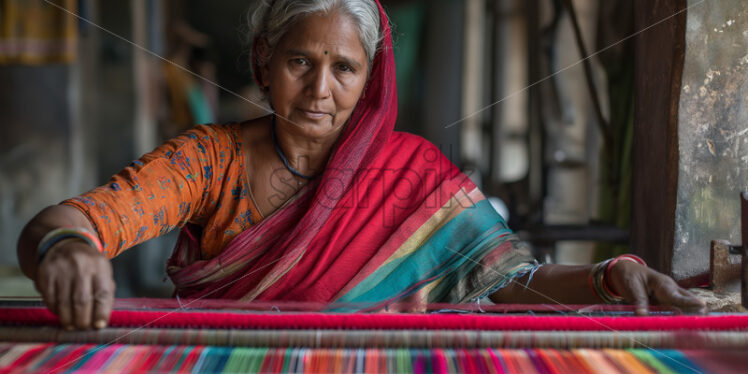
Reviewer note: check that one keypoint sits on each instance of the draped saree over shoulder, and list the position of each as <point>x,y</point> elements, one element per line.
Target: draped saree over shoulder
<point>390,218</point>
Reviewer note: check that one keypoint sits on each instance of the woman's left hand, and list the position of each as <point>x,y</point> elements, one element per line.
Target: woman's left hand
<point>640,286</point>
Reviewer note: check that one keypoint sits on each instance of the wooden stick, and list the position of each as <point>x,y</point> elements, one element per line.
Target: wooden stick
<point>744,238</point>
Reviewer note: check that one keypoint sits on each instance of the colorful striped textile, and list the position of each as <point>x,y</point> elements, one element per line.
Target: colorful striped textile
<point>71,358</point>
<point>147,335</point>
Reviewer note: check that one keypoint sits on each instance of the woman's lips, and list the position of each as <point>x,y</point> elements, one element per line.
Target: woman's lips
<point>313,114</point>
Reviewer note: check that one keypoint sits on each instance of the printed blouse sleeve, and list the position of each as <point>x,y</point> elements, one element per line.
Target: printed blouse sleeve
<point>160,191</point>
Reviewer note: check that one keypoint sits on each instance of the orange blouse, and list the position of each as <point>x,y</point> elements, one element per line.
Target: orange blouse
<point>197,177</point>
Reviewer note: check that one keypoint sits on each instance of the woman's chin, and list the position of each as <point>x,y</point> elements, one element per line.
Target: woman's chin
<point>315,127</point>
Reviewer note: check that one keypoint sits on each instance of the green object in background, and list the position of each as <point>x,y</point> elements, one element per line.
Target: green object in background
<point>199,106</point>
<point>408,24</point>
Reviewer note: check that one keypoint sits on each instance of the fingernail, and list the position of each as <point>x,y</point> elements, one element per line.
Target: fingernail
<point>100,324</point>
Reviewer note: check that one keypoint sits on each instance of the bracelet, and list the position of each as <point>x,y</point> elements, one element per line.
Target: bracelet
<point>57,235</point>
<point>598,286</point>
<point>624,257</point>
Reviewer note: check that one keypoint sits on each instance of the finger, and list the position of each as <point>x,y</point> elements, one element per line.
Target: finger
<point>691,298</point>
<point>667,292</point>
<point>681,297</point>
<point>103,300</point>
<point>641,299</point>
<point>82,302</point>
<point>694,303</point>
<point>63,303</point>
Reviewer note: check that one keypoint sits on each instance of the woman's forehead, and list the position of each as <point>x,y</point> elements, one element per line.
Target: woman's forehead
<point>334,33</point>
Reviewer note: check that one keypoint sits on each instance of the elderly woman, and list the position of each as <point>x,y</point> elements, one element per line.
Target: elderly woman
<point>320,201</point>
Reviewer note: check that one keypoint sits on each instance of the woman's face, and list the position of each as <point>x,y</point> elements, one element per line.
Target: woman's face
<point>316,74</point>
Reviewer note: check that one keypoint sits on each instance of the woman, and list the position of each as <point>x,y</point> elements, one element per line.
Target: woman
<point>320,201</point>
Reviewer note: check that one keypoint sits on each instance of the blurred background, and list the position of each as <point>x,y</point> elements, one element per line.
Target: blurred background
<point>86,86</point>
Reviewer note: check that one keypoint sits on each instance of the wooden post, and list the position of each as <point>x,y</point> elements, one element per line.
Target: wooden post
<point>660,53</point>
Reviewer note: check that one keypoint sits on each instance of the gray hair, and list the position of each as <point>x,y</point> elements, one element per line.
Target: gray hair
<point>272,18</point>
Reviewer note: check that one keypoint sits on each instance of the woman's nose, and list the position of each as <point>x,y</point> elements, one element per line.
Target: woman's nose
<point>319,87</point>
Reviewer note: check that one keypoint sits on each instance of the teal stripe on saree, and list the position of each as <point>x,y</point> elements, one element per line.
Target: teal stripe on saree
<point>449,256</point>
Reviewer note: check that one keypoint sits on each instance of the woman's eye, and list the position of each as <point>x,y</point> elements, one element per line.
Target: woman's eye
<point>300,61</point>
<point>345,68</point>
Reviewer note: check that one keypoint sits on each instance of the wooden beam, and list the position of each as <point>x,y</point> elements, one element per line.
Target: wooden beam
<point>660,52</point>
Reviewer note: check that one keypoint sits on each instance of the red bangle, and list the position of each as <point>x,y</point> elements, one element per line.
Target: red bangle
<point>93,238</point>
<point>626,257</point>
<point>631,257</point>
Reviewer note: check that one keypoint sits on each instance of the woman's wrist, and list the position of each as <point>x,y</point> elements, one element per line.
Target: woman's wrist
<point>599,286</point>
<point>600,278</point>
<point>622,258</point>
<point>56,237</point>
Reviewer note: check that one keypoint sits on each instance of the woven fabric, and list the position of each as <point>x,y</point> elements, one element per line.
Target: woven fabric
<point>209,359</point>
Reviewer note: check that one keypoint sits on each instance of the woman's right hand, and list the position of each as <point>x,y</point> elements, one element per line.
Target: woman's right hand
<point>76,283</point>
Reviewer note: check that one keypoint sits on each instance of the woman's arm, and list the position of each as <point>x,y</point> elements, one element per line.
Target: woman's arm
<point>74,279</point>
<point>570,284</point>
<point>157,193</point>
<point>551,284</point>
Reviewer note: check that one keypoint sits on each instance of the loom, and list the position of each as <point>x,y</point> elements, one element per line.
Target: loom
<point>227,336</point>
